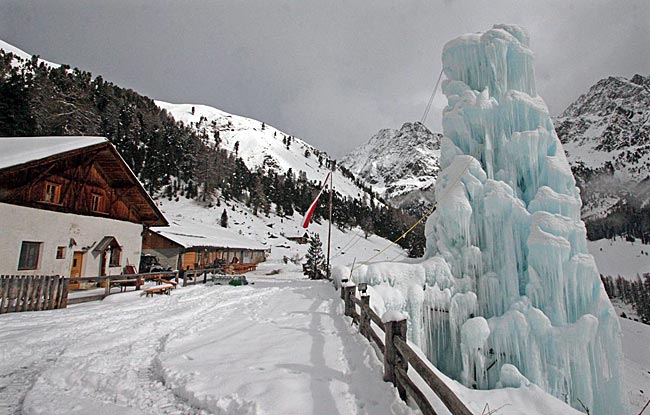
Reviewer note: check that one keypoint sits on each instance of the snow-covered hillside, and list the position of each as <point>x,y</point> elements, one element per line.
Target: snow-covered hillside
<point>620,257</point>
<point>260,145</point>
<point>22,54</point>
<point>272,231</point>
<point>400,165</point>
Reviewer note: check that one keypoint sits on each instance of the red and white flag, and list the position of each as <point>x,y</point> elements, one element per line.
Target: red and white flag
<point>312,207</point>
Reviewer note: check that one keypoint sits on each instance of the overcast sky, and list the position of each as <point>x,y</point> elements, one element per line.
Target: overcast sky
<point>331,72</point>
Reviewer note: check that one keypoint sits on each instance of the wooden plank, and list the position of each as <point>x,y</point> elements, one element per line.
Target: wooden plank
<point>32,296</point>
<point>64,296</point>
<point>39,293</point>
<point>6,308</point>
<point>377,339</point>
<point>375,318</point>
<point>356,300</point>
<point>59,293</point>
<point>55,295</point>
<point>33,292</point>
<point>440,388</point>
<point>79,300</point>
<point>63,293</point>
<point>18,292</point>
<point>46,292</point>
<point>416,394</point>
<point>29,286</point>
<point>53,288</point>
<point>4,288</point>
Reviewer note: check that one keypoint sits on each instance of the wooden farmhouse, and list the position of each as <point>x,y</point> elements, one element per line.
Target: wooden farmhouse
<point>70,206</point>
<point>199,247</point>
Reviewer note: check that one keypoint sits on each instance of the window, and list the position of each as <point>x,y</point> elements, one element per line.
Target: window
<point>60,252</point>
<point>29,253</point>
<point>96,203</point>
<point>52,193</point>
<point>116,251</point>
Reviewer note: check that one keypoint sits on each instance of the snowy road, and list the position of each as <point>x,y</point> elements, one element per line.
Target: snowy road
<point>280,346</point>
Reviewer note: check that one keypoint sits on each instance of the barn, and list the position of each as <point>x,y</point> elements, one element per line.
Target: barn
<point>70,206</point>
<point>192,246</point>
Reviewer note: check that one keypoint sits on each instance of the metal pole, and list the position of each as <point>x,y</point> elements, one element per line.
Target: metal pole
<point>329,234</point>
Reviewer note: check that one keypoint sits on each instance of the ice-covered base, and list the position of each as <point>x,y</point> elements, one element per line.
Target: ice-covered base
<point>507,290</point>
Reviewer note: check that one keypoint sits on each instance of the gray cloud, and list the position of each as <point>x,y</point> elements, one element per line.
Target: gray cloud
<point>331,72</point>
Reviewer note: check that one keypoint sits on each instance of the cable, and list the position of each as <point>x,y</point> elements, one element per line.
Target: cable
<point>433,94</point>
<point>427,213</point>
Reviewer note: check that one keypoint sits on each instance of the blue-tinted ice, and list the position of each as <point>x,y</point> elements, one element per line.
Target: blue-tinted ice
<point>506,278</point>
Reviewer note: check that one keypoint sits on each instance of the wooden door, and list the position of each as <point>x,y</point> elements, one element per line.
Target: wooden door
<point>77,262</point>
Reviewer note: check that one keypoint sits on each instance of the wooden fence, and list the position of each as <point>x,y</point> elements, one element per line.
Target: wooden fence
<point>398,355</point>
<point>111,281</point>
<point>41,292</point>
<point>193,276</point>
<point>32,293</point>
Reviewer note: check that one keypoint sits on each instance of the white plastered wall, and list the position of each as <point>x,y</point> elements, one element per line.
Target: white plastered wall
<point>54,229</point>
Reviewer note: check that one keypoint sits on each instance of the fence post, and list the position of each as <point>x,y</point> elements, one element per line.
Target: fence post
<point>138,283</point>
<point>107,286</point>
<point>66,290</point>
<point>364,323</point>
<point>185,278</point>
<point>343,282</point>
<point>348,293</point>
<point>392,358</point>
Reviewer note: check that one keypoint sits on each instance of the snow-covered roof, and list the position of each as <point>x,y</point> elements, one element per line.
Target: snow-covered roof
<point>19,150</point>
<point>193,235</point>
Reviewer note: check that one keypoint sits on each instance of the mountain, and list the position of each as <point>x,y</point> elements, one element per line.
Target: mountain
<point>606,136</point>
<point>194,152</point>
<point>400,165</point>
<point>259,145</point>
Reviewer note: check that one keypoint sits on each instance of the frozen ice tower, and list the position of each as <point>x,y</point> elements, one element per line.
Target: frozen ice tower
<point>507,290</point>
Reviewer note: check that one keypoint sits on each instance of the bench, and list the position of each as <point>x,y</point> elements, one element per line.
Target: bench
<point>159,289</point>
<point>160,281</point>
<point>237,269</point>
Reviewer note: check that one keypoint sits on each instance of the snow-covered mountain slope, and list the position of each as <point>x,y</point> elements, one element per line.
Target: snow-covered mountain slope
<point>22,54</point>
<point>606,135</point>
<point>400,165</point>
<point>260,145</point>
<point>272,231</point>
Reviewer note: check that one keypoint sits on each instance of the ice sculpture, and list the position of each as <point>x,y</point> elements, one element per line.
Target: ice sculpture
<point>507,287</point>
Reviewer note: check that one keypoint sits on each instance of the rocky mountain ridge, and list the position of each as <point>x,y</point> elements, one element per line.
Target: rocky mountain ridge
<point>606,136</point>
<point>400,165</point>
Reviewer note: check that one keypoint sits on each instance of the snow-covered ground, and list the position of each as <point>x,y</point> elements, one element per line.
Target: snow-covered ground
<point>277,347</point>
<point>280,346</point>
<point>636,338</point>
<point>620,257</point>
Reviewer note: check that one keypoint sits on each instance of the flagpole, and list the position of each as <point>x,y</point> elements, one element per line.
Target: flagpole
<point>329,233</point>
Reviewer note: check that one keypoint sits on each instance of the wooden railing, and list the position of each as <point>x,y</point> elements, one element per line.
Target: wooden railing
<point>192,276</point>
<point>32,293</point>
<point>40,292</point>
<point>110,281</point>
<point>398,355</point>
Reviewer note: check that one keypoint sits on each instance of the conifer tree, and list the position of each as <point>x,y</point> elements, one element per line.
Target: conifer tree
<point>315,258</point>
<point>224,219</point>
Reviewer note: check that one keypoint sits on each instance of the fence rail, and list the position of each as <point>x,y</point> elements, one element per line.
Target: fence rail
<point>398,355</point>
<point>46,292</point>
<point>32,293</point>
